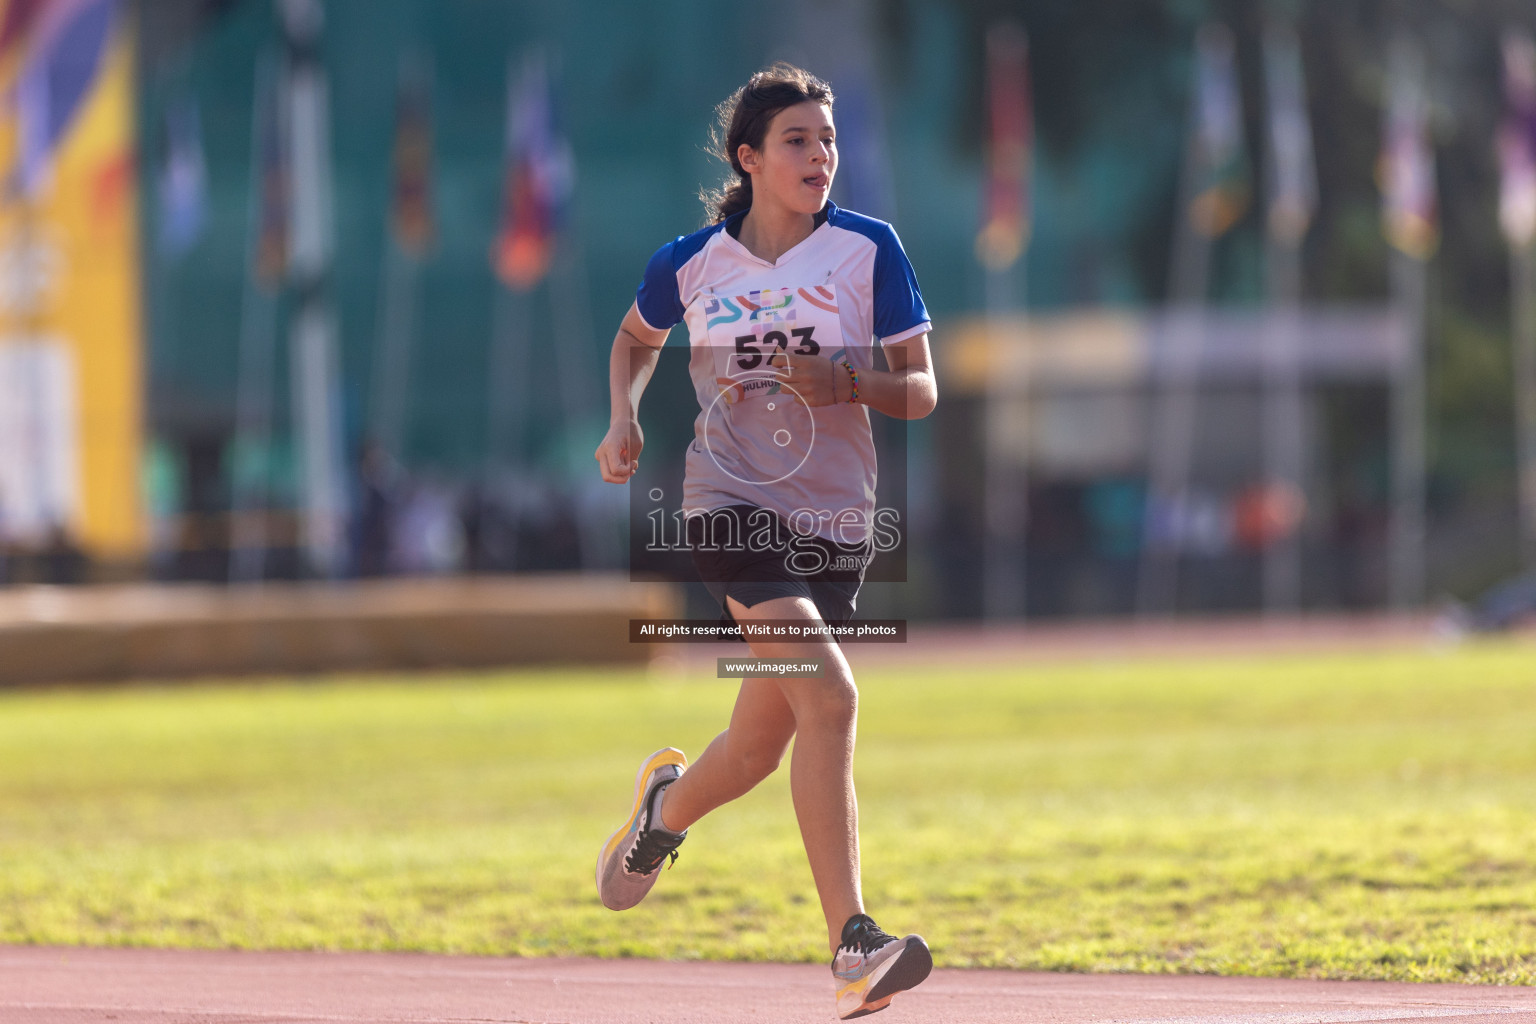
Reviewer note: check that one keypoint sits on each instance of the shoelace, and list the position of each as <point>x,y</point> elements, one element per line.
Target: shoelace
<point>651,848</point>
<point>867,937</point>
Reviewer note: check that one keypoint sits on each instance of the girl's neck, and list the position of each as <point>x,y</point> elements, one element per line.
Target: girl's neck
<point>768,232</point>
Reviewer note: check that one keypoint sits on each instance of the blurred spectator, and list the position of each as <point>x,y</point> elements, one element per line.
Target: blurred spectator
<point>1510,605</point>
<point>1359,539</point>
<point>378,486</point>
<point>61,560</point>
<point>1199,524</point>
<point>5,545</point>
<point>163,488</point>
<point>520,523</point>
<point>1115,509</point>
<point>426,534</point>
<point>489,530</point>
<point>549,536</point>
<point>1267,513</point>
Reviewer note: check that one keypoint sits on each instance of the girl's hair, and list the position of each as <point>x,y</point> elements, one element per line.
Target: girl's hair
<point>744,117</point>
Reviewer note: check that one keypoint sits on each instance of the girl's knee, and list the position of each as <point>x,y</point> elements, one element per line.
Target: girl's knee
<point>831,703</point>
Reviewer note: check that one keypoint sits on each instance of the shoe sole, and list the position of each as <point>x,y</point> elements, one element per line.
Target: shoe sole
<point>653,762</point>
<point>910,970</point>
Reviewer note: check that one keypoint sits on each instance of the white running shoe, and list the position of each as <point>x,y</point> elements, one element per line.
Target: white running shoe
<point>630,861</point>
<point>871,967</point>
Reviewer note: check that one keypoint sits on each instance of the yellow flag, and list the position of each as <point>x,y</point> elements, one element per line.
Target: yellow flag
<point>70,357</point>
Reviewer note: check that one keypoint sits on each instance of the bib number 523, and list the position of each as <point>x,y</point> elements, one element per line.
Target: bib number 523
<point>749,356</point>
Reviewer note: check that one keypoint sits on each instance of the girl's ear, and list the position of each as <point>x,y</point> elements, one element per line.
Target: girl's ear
<point>747,157</point>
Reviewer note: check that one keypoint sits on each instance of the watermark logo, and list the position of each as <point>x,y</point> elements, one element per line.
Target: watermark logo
<point>764,445</point>
<point>811,541</point>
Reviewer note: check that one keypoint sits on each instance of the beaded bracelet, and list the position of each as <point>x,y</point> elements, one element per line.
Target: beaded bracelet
<point>853,375</point>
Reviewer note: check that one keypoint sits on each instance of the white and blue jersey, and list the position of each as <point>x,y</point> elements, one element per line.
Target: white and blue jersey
<point>846,286</point>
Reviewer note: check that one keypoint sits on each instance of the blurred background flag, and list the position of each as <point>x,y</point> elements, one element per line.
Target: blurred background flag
<point>1292,176</point>
<point>412,193</point>
<point>1406,169</point>
<point>1005,221</point>
<point>1222,186</point>
<point>271,158</point>
<point>412,224</point>
<point>539,180</point>
<point>20,15</point>
<point>63,50</point>
<point>1517,141</point>
<point>183,185</point>
<point>70,360</point>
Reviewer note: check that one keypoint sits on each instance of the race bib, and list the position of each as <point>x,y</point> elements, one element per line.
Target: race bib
<point>757,430</point>
<point>745,330</point>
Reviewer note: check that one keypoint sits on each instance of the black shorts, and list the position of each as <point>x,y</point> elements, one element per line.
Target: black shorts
<point>752,554</point>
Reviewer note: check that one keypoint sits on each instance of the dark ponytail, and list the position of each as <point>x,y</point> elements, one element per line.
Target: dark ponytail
<point>743,120</point>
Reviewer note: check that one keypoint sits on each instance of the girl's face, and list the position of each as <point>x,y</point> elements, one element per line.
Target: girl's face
<point>795,166</point>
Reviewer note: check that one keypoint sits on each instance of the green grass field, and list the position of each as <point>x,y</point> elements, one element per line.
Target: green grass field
<point>1362,816</point>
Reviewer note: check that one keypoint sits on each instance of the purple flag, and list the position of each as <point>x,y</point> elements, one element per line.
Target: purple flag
<point>1517,142</point>
<point>63,56</point>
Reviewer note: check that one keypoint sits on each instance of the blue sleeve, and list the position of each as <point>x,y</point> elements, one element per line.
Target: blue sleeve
<point>657,299</point>
<point>898,302</point>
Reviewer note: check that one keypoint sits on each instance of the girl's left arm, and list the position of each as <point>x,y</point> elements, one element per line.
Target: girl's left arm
<point>906,391</point>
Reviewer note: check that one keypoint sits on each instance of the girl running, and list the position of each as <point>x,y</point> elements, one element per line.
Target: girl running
<point>783,295</point>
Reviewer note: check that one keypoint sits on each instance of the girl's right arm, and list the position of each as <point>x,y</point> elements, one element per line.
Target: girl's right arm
<point>636,348</point>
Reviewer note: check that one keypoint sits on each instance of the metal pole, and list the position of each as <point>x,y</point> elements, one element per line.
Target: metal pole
<point>253,384</point>
<point>570,309</point>
<point>570,303</point>
<point>1409,441</point>
<point>507,382</point>
<point>1005,477</point>
<point>397,323</point>
<point>400,278</point>
<point>1523,294</point>
<point>1284,456</point>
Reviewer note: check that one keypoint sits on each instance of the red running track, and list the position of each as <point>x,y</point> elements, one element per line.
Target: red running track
<point>42,985</point>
